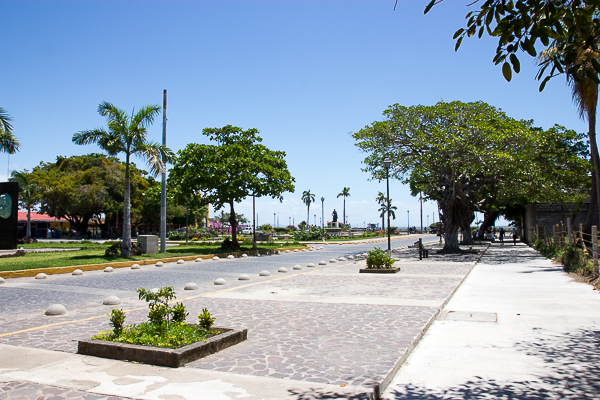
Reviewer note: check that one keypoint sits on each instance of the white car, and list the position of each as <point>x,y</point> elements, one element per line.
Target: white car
<point>247,231</point>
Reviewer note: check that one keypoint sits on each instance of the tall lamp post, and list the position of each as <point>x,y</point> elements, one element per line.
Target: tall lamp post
<point>323,218</point>
<point>254,222</point>
<point>408,220</point>
<point>387,163</point>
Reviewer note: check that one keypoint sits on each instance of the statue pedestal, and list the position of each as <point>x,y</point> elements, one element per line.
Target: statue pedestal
<point>335,224</point>
<point>9,217</point>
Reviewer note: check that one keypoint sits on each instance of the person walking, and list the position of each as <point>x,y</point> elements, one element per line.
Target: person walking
<point>501,234</point>
<point>515,237</point>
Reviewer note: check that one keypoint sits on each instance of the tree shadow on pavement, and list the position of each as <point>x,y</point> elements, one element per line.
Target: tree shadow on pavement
<point>511,255</point>
<point>572,359</point>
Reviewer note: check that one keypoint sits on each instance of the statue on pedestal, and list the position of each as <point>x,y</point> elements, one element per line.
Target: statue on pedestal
<point>335,216</point>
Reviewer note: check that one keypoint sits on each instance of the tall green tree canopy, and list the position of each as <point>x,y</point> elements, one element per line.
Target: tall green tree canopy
<point>128,135</point>
<point>8,142</point>
<point>236,167</point>
<point>466,155</point>
<point>81,188</point>
<point>567,32</point>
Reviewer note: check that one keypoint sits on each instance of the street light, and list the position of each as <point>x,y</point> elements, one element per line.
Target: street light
<point>323,218</point>
<point>387,163</point>
<point>254,222</point>
<point>408,220</point>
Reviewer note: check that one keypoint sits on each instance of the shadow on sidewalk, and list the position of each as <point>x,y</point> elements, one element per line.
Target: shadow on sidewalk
<point>573,362</point>
<point>509,254</point>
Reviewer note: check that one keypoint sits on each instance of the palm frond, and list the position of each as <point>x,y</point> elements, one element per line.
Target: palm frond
<point>145,116</point>
<point>8,143</point>
<point>5,119</point>
<point>89,136</point>
<point>153,153</point>
<point>112,113</point>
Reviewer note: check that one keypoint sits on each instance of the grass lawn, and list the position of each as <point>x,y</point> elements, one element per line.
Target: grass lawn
<point>96,256</point>
<point>63,245</point>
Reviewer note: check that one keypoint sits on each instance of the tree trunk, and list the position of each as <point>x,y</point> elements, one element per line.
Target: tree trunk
<point>307,215</point>
<point>233,221</point>
<point>592,218</point>
<point>28,233</point>
<point>489,219</point>
<point>126,247</point>
<point>592,214</point>
<point>344,221</point>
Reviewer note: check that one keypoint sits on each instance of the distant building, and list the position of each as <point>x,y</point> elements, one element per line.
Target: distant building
<point>551,214</point>
<point>40,223</point>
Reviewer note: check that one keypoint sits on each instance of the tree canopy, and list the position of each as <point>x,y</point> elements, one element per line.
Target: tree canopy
<point>466,156</point>
<point>237,167</point>
<point>8,142</point>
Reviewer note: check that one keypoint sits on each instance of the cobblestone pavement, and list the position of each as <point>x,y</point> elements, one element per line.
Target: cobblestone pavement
<point>19,390</point>
<point>298,328</point>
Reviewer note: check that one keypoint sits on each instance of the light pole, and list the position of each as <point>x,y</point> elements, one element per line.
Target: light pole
<point>387,163</point>
<point>323,218</point>
<point>254,222</point>
<point>408,220</point>
<point>421,201</point>
<point>274,214</point>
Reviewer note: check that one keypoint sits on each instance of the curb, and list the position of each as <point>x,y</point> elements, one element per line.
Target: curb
<point>28,273</point>
<point>378,389</point>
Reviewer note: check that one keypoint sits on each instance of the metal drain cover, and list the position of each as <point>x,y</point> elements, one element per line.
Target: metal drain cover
<point>473,316</point>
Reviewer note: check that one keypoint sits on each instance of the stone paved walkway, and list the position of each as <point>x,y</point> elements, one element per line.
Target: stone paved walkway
<point>19,390</point>
<point>327,325</point>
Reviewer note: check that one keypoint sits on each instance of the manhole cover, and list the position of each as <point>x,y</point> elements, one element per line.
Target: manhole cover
<point>469,316</point>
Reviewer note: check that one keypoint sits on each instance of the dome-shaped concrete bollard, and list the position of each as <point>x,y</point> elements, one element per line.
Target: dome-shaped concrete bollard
<point>297,267</point>
<point>77,272</point>
<point>333,260</point>
<point>287,251</point>
<point>230,257</point>
<point>56,309</point>
<point>282,269</point>
<point>243,277</point>
<point>312,265</point>
<point>322,262</point>
<point>190,286</point>
<point>136,266</point>
<point>198,259</point>
<point>220,281</point>
<point>41,275</point>
<point>216,258</point>
<point>350,257</point>
<point>264,272</point>
<point>2,281</point>
<point>109,269</point>
<point>180,262</point>
<point>342,259</point>
<point>244,255</point>
<point>159,264</point>
<point>296,250</point>
<point>111,301</point>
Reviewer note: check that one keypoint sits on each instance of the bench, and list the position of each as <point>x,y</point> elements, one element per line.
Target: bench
<point>423,251</point>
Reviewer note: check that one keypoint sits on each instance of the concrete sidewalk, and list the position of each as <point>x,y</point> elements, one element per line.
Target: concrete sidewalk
<point>517,328</point>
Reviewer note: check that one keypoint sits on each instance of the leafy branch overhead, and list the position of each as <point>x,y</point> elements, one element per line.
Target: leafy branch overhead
<point>570,26</point>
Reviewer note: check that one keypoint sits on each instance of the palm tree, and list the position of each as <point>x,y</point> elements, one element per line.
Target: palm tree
<point>8,143</point>
<point>29,193</point>
<point>307,198</point>
<point>384,210</point>
<point>127,134</point>
<point>345,193</point>
<point>381,200</point>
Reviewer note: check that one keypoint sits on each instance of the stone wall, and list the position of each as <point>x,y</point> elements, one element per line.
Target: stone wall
<point>550,214</point>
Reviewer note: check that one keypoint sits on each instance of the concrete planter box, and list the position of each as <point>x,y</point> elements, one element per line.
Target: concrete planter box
<point>379,270</point>
<point>158,356</point>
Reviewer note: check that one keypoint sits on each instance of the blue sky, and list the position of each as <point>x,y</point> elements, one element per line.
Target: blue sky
<point>304,73</point>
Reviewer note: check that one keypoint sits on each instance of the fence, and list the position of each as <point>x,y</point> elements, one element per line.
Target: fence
<point>559,236</point>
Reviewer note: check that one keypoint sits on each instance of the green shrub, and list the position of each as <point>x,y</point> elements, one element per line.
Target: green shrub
<point>115,249</point>
<point>314,233</point>
<point>205,320</point>
<point>377,258</point>
<point>117,319</point>
<point>179,313</point>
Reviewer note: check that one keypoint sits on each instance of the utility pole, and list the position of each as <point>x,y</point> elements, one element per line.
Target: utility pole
<point>421,201</point>
<point>163,186</point>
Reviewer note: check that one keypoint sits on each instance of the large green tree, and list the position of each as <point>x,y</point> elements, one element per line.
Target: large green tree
<point>464,155</point>
<point>29,193</point>
<point>308,198</point>
<point>344,193</point>
<point>128,135</point>
<point>237,167</point>
<point>82,188</point>
<point>567,31</point>
<point>8,142</point>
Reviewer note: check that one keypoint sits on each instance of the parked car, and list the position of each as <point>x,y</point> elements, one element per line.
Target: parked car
<point>247,231</point>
